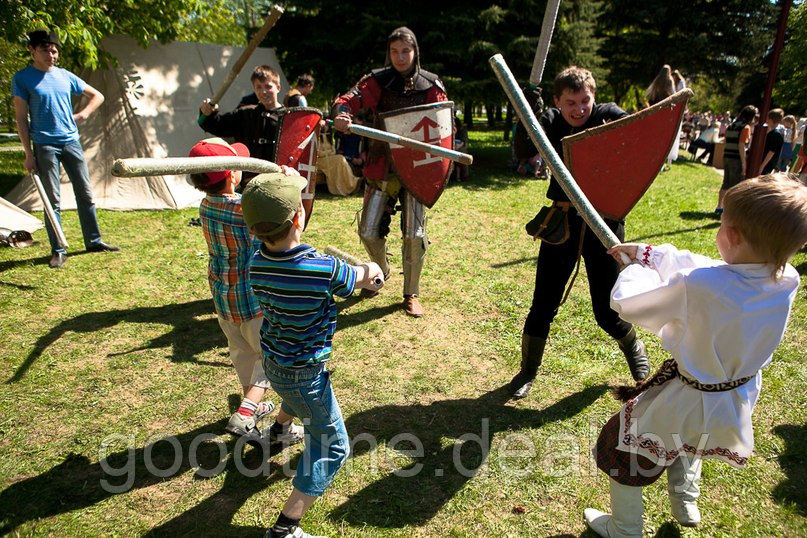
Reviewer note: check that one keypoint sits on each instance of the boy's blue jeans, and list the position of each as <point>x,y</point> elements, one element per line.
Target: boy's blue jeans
<point>307,394</point>
<point>71,156</point>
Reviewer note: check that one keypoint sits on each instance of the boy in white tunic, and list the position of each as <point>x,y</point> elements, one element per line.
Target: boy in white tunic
<point>721,321</point>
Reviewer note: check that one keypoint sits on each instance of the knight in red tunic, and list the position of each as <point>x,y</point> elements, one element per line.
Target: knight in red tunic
<point>400,83</point>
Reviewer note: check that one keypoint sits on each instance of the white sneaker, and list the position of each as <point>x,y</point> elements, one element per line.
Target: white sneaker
<point>241,425</point>
<point>263,409</point>
<point>294,532</point>
<point>293,435</point>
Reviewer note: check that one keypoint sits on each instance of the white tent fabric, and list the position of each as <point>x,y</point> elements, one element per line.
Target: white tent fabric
<point>13,218</point>
<point>151,107</point>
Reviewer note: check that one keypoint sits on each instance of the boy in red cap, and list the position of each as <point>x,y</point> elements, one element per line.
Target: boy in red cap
<point>239,313</point>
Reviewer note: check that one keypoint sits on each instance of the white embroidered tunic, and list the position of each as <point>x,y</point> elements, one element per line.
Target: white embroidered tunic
<point>720,322</point>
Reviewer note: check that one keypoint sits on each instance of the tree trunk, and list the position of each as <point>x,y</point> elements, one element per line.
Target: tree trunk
<point>468,114</point>
<point>490,115</point>
<point>498,112</point>
<point>508,123</point>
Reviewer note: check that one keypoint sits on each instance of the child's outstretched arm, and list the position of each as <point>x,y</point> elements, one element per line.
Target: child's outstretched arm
<point>369,276</point>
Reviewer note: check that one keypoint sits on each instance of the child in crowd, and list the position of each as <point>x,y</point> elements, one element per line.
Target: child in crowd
<point>239,314</point>
<point>721,321</point>
<point>296,287</point>
<point>256,125</point>
<point>786,156</point>
<point>774,140</point>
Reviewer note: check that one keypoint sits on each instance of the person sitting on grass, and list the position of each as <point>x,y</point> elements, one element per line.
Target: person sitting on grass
<point>239,314</point>
<point>296,287</point>
<point>721,321</point>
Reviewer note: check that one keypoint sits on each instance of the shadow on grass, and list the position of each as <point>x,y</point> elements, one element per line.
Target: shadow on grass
<point>532,260</point>
<point>397,501</point>
<point>41,260</point>
<point>21,287</point>
<point>672,233</point>
<point>76,483</point>
<point>698,215</point>
<point>187,338</point>
<point>793,462</point>
<point>666,530</point>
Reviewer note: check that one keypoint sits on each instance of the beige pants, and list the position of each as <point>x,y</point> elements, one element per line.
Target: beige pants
<point>244,341</point>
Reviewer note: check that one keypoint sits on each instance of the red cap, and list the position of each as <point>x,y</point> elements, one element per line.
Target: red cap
<point>216,147</point>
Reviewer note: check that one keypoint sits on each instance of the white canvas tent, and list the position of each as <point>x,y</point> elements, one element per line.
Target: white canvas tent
<point>151,107</point>
<point>13,218</point>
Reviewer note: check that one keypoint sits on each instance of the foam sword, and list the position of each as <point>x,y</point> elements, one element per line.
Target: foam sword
<point>391,138</point>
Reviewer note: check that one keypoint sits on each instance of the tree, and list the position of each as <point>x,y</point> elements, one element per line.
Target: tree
<point>82,24</point>
<point>340,41</point>
<point>719,42</point>
<point>13,57</point>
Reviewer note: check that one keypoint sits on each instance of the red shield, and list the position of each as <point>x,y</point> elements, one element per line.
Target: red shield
<point>296,146</point>
<point>423,174</point>
<point>614,164</point>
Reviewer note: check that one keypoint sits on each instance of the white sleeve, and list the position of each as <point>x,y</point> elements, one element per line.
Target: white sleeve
<point>642,297</point>
<point>667,260</point>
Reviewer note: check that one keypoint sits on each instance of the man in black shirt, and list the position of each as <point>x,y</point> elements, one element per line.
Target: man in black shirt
<point>575,111</point>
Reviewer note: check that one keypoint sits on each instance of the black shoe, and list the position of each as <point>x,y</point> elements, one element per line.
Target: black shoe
<point>532,351</point>
<point>635,354</point>
<point>100,246</point>
<point>57,260</point>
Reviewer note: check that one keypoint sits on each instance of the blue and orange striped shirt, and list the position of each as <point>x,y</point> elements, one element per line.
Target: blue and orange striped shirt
<point>296,289</point>
<point>230,248</point>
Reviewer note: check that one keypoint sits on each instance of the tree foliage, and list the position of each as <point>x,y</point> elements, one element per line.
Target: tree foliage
<point>719,42</point>
<point>340,41</point>
<point>82,24</point>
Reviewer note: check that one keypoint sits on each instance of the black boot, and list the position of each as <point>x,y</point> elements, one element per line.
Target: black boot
<point>532,349</point>
<point>635,353</point>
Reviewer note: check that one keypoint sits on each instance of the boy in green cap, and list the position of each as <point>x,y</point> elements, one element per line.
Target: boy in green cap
<point>296,287</point>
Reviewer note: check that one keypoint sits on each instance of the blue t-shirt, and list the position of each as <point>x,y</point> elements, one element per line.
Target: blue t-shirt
<point>49,97</point>
<point>296,289</point>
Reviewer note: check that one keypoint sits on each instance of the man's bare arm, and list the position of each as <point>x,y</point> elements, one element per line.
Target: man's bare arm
<point>96,99</point>
<point>21,115</point>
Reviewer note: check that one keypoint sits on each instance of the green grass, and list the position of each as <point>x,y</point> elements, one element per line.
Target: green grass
<point>126,344</point>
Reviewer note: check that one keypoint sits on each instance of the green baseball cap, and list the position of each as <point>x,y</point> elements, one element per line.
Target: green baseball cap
<point>272,199</point>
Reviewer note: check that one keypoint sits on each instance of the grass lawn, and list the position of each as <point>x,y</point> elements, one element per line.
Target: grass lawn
<point>115,351</point>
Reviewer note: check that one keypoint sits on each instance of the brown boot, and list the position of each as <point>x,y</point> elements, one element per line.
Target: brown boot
<point>532,350</point>
<point>412,306</point>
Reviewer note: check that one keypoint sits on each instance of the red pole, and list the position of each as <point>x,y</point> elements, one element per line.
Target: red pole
<point>758,140</point>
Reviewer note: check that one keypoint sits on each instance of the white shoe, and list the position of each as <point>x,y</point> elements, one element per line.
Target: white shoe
<point>626,521</point>
<point>294,532</point>
<point>241,425</point>
<point>597,521</point>
<point>293,435</point>
<point>683,487</point>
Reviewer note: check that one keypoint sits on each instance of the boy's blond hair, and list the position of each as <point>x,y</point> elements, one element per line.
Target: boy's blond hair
<point>574,79</point>
<point>770,212</point>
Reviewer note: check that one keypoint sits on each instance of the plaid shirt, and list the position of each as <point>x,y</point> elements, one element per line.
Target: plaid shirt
<point>230,248</point>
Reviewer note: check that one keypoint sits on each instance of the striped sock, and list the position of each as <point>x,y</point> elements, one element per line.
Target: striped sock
<point>247,407</point>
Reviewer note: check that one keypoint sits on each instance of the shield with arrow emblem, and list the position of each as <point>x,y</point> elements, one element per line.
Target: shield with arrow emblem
<point>423,174</point>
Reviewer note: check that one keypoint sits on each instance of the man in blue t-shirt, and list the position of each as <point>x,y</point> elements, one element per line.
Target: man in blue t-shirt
<point>48,129</point>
